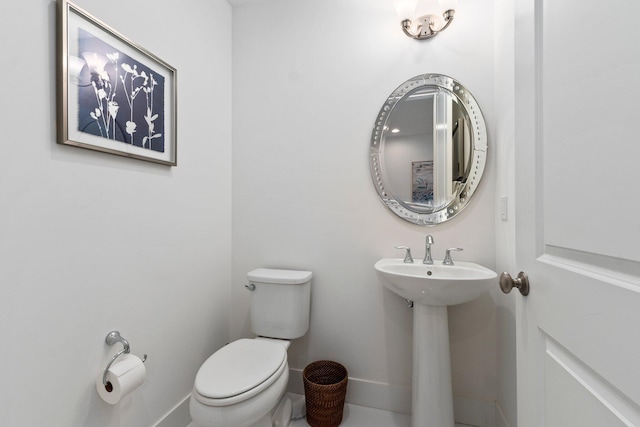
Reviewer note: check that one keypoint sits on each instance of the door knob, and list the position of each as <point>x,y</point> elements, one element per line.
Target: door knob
<point>521,282</point>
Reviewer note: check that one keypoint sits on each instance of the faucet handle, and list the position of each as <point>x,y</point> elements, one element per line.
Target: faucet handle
<point>407,256</point>
<point>447,256</point>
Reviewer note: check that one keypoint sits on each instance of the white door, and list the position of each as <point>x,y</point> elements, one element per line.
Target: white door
<point>577,109</point>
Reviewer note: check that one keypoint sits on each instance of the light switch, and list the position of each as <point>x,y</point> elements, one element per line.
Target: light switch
<point>504,208</point>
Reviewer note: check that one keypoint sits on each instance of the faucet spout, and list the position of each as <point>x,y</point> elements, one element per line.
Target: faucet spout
<point>427,250</point>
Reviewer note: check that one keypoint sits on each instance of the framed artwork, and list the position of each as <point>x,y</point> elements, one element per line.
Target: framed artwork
<point>113,95</point>
<point>422,182</point>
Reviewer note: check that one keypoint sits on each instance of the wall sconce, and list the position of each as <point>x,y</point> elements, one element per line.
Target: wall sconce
<point>434,17</point>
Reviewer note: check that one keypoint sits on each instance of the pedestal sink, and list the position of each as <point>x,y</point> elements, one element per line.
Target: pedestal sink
<point>432,288</point>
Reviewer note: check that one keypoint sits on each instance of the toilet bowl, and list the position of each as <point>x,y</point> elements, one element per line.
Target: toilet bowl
<point>243,384</point>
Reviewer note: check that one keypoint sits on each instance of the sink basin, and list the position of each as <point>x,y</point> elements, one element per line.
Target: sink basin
<point>437,284</point>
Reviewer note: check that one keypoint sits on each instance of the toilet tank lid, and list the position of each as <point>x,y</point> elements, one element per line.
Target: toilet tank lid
<point>287,277</point>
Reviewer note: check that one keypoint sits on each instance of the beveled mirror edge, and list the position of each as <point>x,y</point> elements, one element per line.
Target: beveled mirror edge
<point>478,138</point>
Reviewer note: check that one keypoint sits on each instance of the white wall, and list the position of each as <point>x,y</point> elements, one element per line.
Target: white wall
<point>309,79</point>
<point>91,242</point>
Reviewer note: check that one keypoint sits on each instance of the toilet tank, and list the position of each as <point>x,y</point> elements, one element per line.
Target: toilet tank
<point>280,302</point>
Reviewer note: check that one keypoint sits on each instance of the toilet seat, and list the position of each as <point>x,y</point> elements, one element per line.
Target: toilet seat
<point>239,371</point>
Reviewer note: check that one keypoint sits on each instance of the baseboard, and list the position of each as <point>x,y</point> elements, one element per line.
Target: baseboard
<point>398,399</point>
<point>501,418</point>
<point>371,394</point>
<point>179,416</point>
<point>365,393</point>
<point>472,412</point>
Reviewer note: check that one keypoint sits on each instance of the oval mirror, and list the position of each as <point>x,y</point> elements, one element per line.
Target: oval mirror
<point>428,149</point>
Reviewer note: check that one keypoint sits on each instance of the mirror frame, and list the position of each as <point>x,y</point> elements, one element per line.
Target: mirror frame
<point>475,119</point>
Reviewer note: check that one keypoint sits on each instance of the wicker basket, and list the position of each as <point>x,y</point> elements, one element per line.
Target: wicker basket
<point>325,388</point>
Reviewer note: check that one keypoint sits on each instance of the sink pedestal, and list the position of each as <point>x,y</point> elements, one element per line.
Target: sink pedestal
<point>432,396</point>
<point>433,287</point>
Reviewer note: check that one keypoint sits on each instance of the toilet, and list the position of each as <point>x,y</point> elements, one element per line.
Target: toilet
<point>243,384</point>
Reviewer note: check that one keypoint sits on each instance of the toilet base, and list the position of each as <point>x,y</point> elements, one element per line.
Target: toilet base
<point>263,422</point>
<point>280,417</point>
<point>257,411</point>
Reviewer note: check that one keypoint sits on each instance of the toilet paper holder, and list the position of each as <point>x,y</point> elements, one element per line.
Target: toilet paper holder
<point>112,338</point>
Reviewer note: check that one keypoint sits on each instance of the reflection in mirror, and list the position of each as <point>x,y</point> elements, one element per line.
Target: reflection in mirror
<point>428,149</point>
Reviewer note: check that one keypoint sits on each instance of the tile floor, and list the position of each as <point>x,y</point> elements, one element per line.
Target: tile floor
<point>360,416</point>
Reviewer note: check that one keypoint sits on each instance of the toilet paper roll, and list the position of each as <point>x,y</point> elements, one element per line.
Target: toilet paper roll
<point>124,376</point>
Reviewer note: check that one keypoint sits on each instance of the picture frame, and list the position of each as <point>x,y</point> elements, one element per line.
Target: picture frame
<point>113,95</point>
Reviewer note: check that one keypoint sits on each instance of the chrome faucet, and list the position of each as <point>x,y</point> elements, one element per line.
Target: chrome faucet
<point>447,256</point>
<point>407,256</point>
<point>427,250</point>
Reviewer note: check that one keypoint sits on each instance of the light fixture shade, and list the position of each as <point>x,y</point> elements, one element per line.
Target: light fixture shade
<point>448,5</point>
<point>405,8</point>
<point>429,18</point>
<point>428,7</point>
